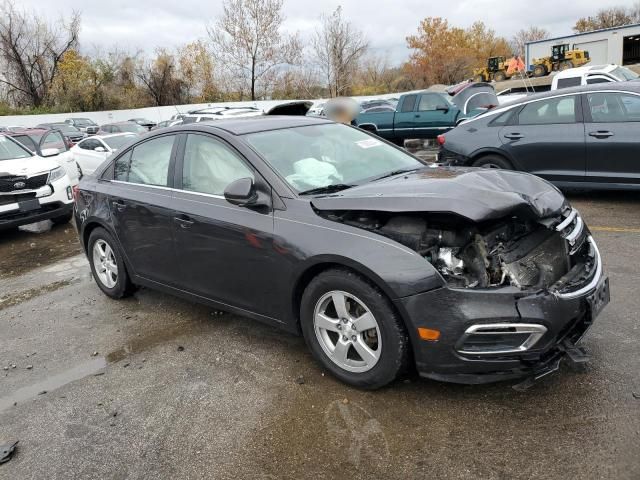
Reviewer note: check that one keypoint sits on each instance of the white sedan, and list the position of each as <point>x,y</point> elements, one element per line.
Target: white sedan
<point>92,151</point>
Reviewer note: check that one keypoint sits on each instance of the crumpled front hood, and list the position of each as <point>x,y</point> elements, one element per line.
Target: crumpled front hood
<point>474,193</point>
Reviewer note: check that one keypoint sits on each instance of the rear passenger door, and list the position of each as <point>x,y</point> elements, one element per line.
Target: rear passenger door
<point>547,139</point>
<point>142,208</point>
<point>613,129</point>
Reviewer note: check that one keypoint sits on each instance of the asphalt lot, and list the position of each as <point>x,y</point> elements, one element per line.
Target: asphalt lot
<point>153,386</point>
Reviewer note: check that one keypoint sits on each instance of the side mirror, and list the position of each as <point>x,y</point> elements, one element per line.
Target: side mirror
<point>50,152</point>
<point>242,193</point>
<point>100,149</point>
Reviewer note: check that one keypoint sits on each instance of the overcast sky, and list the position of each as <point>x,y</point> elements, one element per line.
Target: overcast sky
<point>146,24</point>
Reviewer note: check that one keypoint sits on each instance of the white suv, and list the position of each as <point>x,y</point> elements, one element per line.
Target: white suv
<point>32,188</point>
<point>574,77</point>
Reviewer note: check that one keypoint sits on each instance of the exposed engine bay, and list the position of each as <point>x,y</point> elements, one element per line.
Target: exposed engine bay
<point>526,254</point>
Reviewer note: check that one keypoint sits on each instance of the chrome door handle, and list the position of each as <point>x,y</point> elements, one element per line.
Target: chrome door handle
<point>601,134</point>
<point>514,136</point>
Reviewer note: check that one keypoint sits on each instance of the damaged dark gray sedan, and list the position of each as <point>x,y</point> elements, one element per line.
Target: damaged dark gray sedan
<point>379,260</point>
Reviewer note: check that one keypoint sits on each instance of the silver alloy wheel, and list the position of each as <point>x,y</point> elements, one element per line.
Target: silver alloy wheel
<point>347,331</point>
<point>491,165</point>
<point>104,262</point>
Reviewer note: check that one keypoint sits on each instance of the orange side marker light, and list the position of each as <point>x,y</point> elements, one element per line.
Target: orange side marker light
<point>429,334</point>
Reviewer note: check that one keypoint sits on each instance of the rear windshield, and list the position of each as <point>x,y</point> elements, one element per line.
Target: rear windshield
<point>623,74</point>
<point>10,149</point>
<point>83,122</point>
<point>65,128</point>
<point>132,127</point>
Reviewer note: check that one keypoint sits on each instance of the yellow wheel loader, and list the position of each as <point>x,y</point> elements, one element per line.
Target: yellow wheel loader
<point>562,58</point>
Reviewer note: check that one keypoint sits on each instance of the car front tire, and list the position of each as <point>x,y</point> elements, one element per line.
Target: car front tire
<point>352,329</point>
<point>107,264</point>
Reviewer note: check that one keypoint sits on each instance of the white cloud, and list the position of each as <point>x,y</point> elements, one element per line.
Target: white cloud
<point>145,24</point>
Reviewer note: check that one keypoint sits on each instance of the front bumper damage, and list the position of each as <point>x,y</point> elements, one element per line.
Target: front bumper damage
<point>489,335</point>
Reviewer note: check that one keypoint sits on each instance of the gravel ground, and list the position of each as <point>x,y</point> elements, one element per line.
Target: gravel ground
<point>153,386</point>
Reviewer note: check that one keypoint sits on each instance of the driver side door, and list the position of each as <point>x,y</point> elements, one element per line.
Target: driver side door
<point>433,116</point>
<point>225,251</point>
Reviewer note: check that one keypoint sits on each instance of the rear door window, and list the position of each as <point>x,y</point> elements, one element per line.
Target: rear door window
<point>147,163</point>
<point>557,110</point>
<point>611,107</point>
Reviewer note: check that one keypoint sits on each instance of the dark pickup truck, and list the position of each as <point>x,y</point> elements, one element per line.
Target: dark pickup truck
<point>428,114</point>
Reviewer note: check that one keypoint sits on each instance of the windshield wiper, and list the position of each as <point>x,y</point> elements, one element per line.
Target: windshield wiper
<point>327,189</point>
<point>394,173</point>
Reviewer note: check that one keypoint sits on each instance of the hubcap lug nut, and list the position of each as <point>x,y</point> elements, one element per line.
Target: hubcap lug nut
<point>353,338</point>
<point>344,337</point>
<point>339,327</point>
<point>344,320</point>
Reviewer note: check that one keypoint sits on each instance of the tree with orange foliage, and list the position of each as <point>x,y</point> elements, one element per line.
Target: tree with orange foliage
<point>447,54</point>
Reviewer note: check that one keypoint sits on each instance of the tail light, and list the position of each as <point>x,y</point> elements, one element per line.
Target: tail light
<point>76,192</point>
<point>441,140</point>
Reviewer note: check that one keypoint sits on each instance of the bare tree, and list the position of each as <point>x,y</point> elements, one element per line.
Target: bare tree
<point>338,47</point>
<point>31,50</point>
<point>522,37</point>
<point>160,78</point>
<point>247,40</point>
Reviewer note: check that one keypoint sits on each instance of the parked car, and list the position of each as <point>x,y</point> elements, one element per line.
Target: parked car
<point>122,127</point>
<point>581,136</point>
<point>85,125</point>
<point>428,114</point>
<point>367,105</point>
<point>48,143</point>
<point>143,122</point>
<point>591,75</point>
<point>91,152</point>
<point>317,110</point>
<point>375,257</point>
<point>71,133</point>
<point>168,123</point>
<point>32,188</point>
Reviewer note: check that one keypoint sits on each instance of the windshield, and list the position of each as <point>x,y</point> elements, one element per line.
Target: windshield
<point>10,150</point>
<point>64,128</point>
<point>115,143</point>
<point>318,156</point>
<point>622,74</point>
<point>83,122</point>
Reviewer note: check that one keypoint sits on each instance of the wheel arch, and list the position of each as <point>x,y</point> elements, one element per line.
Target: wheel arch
<point>477,155</point>
<point>369,127</point>
<point>323,263</point>
<point>93,223</point>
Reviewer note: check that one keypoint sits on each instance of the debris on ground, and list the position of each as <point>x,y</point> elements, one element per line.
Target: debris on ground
<point>345,401</point>
<point>6,451</point>
<point>636,395</point>
<point>180,348</point>
<point>300,380</point>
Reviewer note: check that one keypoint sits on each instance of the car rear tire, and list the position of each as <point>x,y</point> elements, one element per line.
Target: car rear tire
<point>352,329</point>
<point>107,264</point>
<point>62,219</point>
<point>493,161</point>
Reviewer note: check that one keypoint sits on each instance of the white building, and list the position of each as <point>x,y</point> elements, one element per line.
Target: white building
<point>619,45</point>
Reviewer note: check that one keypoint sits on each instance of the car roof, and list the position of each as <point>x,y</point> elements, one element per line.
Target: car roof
<point>242,126</point>
<point>574,72</point>
<point>27,131</point>
<point>633,87</point>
